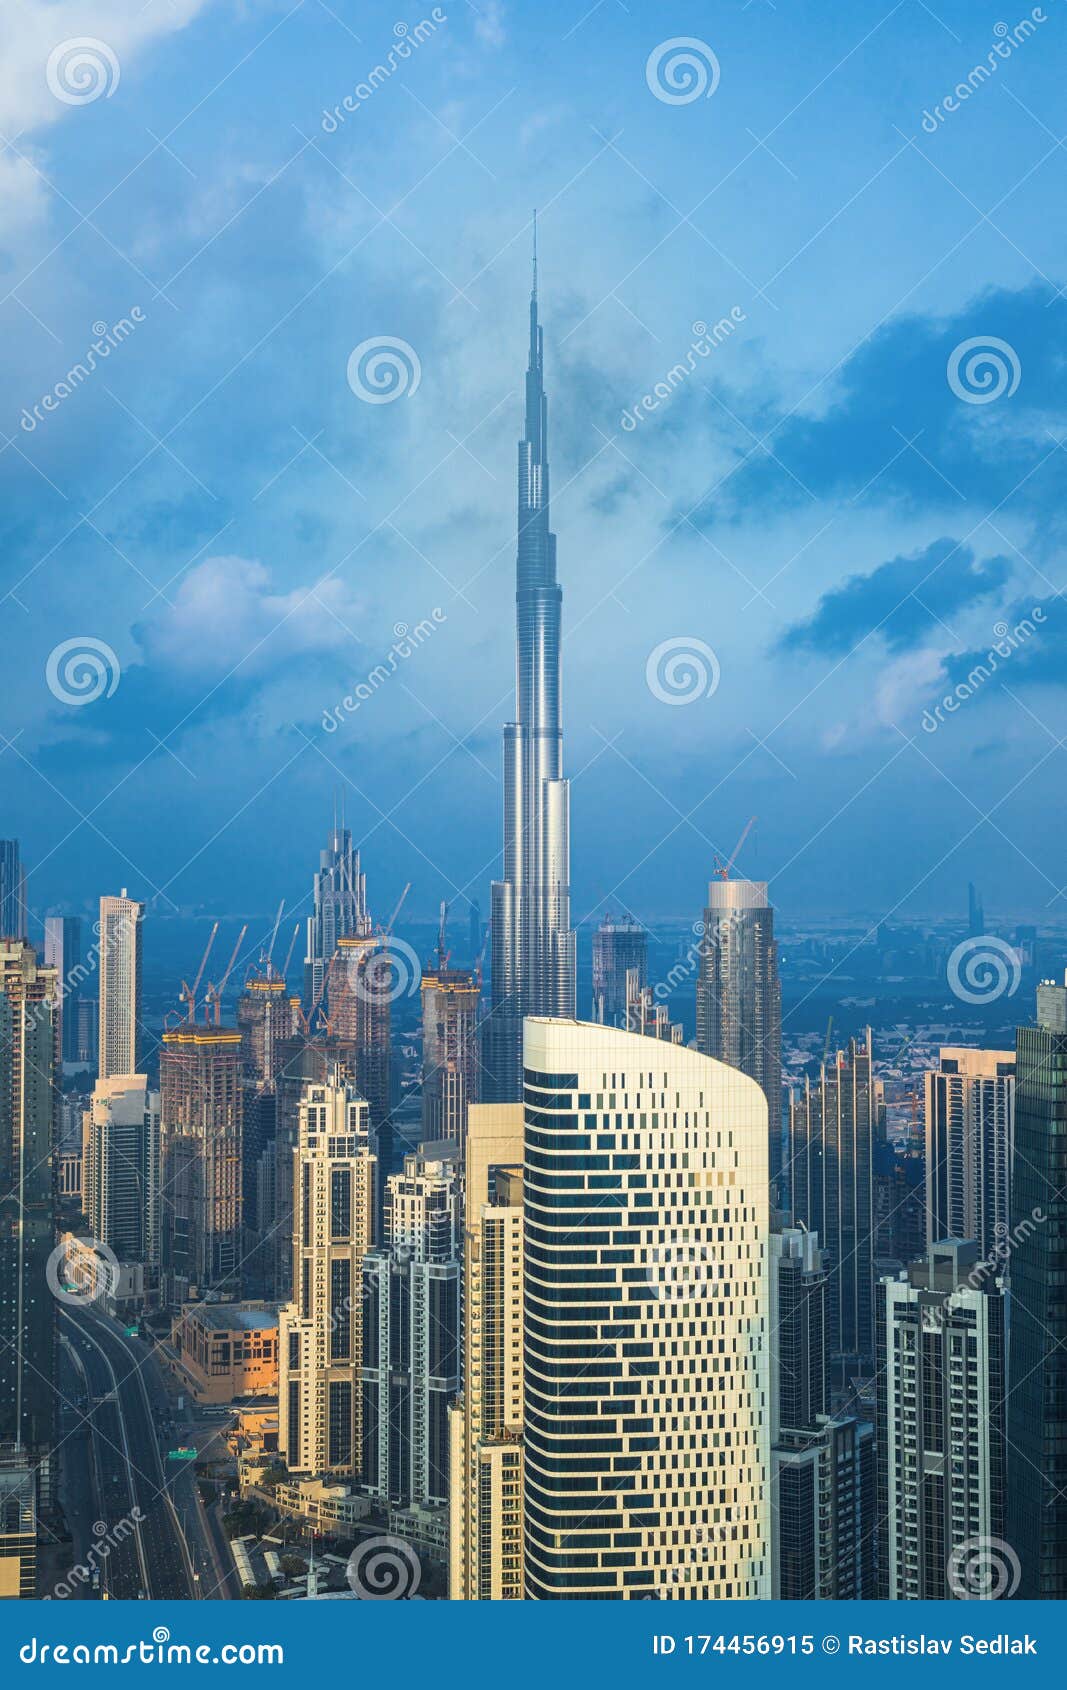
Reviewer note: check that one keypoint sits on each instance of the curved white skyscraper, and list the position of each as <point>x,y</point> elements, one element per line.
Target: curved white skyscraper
<point>533,945</point>
<point>646,1412</point>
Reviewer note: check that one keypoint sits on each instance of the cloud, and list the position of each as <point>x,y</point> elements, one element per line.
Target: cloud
<point>32,31</point>
<point>890,426</point>
<point>226,614</point>
<point>490,25</point>
<point>904,599</point>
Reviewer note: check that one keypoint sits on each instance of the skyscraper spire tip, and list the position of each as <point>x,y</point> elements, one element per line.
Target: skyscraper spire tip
<point>534,289</point>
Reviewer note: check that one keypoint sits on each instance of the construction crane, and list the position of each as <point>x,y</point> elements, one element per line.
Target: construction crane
<point>481,954</point>
<point>385,931</point>
<point>289,952</point>
<point>214,993</point>
<point>187,995</point>
<point>723,869</point>
<point>274,937</point>
<point>442,954</point>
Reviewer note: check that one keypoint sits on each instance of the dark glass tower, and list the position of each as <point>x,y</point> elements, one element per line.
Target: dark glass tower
<point>533,945</point>
<point>1037,1385</point>
<point>832,1130</point>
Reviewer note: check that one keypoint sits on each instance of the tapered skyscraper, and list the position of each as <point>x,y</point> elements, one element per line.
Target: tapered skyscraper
<point>533,945</point>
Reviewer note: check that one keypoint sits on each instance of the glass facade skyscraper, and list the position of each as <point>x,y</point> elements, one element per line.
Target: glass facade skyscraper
<point>533,946</point>
<point>647,1419</point>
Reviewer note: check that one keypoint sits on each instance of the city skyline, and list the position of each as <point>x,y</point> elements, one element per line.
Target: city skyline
<point>694,1228</point>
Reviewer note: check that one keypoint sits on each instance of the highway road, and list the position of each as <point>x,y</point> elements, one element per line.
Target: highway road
<point>127,1469</point>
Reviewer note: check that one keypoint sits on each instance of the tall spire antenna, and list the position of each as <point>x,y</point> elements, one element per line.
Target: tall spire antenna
<point>534,291</point>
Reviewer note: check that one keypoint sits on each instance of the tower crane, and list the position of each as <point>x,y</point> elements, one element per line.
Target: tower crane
<point>723,869</point>
<point>187,995</point>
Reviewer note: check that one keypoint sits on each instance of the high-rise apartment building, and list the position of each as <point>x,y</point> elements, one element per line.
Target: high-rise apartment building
<point>201,1129</point>
<point>29,1119</point>
<point>739,995</point>
<point>339,910</point>
<point>12,891</point>
<point>940,1381</point>
<point>486,1560</point>
<point>648,1015</point>
<point>63,952</point>
<point>822,1466</point>
<point>121,1167</point>
<point>265,1018</point>
<point>302,1061</point>
<point>1037,1387</point>
<point>832,1126</point>
<point>120,984</point>
<point>970,1146</point>
<point>18,1531</point>
<point>620,944</point>
<point>411,1349</point>
<point>451,1058</point>
<point>359,990</point>
<point>320,1336</point>
<point>646,1289</point>
<point>533,944</point>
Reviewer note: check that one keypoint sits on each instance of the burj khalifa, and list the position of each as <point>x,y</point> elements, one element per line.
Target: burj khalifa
<point>533,950</point>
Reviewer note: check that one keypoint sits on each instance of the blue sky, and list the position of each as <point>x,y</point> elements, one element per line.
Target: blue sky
<point>816,502</point>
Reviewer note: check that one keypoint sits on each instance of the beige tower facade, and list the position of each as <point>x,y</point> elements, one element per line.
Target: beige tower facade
<point>320,1336</point>
<point>646,1407</point>
<point>485,1424</point>
<point>120,984</point>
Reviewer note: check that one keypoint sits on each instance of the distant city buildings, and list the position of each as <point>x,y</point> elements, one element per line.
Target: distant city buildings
<point>970,1146</point>
<point>320,1330</point>
<point>451,1053</point>
<point>620,946</point>
<point>739,995</point>
<point>486,1554</point>
<point>63,952</point>
<point>822,1466</point>
<point>832,1128</point>
<point>1037,1264</point>
<point>29,1119</point>
<point>340,911</point>
<point>201,1129</point>
<point>121,1167</point>
<point>646,1285</point>
<point>120,985</point>
<point>12,891</point>
<point>940,1388</point>
<point>411,1334</point>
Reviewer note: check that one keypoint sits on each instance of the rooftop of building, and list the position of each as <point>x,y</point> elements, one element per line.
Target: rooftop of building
<point>232,1317</point>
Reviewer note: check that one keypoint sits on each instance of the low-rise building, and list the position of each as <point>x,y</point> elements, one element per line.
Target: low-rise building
<point>223,1351</point>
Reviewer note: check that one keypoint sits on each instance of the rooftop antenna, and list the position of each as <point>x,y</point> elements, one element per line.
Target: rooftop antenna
<point>534,290</point>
